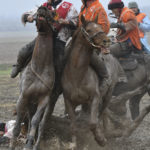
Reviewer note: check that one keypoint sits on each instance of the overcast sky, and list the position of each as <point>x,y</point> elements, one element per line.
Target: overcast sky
<point>15,8</point>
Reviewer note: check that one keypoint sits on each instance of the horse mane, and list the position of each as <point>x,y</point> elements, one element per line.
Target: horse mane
<point>68,48</point>
<point>75,35</point>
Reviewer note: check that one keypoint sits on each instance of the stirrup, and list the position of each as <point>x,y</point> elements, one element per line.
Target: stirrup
<point>123,79</point>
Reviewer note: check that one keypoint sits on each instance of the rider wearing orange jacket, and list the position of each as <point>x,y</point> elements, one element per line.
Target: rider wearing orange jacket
<point>92,9</point>
<point>128,32</point>
<point>95,9</point>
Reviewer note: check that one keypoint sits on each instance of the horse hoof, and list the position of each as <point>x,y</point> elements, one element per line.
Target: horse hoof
<point>72,146</point>
<point>101,141</point>
<point>13,143</point>
<point>35,148</point>
<point>27,148</point>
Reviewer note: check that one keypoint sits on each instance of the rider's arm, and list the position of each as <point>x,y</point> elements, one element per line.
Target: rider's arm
<point>29,16</point>
<point>130,21</point>
<point>72,17</point>
<point>130,25</point>
<point>145,25</point>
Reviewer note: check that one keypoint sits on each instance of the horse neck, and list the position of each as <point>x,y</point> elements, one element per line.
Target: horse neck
<point>80,57</point>
<point>43,52</point>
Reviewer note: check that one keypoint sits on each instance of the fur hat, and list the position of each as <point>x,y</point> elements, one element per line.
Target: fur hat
<point>115,4</point>
<point>133,5</point>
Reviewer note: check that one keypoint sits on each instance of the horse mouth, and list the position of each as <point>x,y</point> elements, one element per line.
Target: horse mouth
<point>105,50</point>
<point>41,18</point>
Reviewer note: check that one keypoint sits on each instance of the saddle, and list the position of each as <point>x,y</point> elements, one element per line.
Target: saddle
<point>130,62</point>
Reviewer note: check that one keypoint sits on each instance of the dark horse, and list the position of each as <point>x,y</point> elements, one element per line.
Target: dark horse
<point>80,82</point>
<point>138,75</point>
<point>37,80</point>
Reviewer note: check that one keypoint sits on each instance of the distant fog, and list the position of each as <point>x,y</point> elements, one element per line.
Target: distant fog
<point>14,23</point>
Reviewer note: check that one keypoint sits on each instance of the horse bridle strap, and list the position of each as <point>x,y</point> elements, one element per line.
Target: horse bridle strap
<point>90,38</point>
<point>50,88</point>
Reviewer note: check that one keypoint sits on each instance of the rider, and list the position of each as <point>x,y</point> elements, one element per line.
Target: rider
<point>128,32</point>
<point>144,25</point>
<point>90,10</point>
<point>67,18</point>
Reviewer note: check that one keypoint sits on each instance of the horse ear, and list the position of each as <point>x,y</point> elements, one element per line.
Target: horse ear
<point>96,19</point>
<point>83,20</point>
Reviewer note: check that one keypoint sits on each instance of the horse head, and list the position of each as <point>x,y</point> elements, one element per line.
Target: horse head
<point>94,34</point>
<point>44,19</point>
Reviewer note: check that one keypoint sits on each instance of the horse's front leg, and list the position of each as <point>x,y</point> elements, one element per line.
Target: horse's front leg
<point>57,90</point>
<point>35,122</point>
<point>106,100</point>
<point>21,109</point>
<point>95,127</point>
<point>41,128</point>
<point>71,113</point>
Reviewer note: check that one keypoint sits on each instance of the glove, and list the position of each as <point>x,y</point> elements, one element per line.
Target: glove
<point>114,25</point>
<point>118,25</point>
<point>24,18</point>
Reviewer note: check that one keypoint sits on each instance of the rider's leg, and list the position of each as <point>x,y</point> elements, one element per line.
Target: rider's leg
<point>98,65</point>
<point>120,50</point>
<point>59,47</point>
<point>24,56</point>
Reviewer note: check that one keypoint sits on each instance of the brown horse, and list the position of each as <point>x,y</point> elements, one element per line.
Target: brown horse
<point>37,80</point>
<point>79,81</point>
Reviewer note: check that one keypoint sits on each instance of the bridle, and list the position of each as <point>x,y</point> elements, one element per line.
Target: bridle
<point>90,38</point>
<point>48,20</point>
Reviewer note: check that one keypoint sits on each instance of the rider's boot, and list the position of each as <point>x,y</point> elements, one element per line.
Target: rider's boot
<point>120,50</point>
<point>23,58</point>
<point>98,65</point>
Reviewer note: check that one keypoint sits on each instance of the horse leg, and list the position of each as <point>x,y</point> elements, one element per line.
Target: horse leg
<point>71,113</point>
<point>35,122</point>
<point>21,109</point>
<point>106,100</point>
<point>48,112</point>
<point>134,105</point>
<point>136,122</point>
<point>148,89</point>
<point>94,123</point>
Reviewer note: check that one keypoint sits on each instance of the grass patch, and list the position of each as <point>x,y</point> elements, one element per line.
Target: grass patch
<point>5,69</point>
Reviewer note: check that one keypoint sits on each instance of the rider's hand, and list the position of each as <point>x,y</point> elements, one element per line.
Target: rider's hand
<point>63,21</point>
<point>30,18</point>
<point>118,25</point>
<point>114,25</point>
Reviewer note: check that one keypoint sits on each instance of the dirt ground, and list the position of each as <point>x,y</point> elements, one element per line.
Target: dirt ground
<point>9,92</point>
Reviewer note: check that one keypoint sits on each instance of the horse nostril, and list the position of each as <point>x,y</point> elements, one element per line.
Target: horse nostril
<point>104,41</point>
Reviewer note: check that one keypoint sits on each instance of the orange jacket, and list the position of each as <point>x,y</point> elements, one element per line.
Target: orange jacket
<point>95,9</point>
<point>129,19</point>
<point>140,18</point>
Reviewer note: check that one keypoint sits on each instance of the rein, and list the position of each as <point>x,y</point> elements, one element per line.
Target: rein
<point>90,38</point>
<point>36,74</point>
<point>47,21</point>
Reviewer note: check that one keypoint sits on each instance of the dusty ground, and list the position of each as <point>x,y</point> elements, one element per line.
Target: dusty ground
<point>9,91</point>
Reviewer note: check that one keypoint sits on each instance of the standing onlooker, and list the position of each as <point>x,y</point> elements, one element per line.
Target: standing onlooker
<point>144,25</point>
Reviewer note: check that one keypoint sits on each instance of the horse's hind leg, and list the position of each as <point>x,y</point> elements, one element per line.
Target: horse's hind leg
<point>95,128</point>
<point>35,122</point>
<point>21,109</point>
<point>134,104</point>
